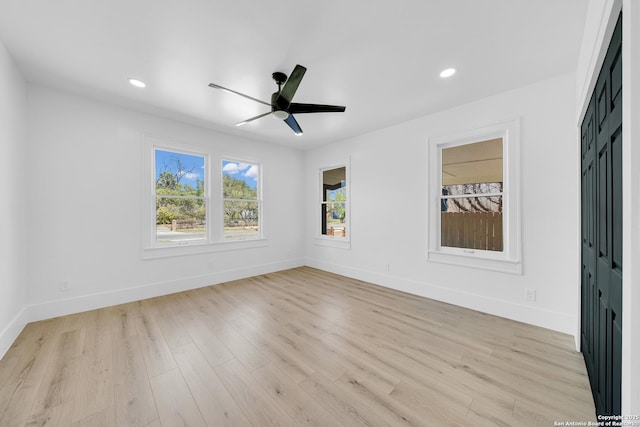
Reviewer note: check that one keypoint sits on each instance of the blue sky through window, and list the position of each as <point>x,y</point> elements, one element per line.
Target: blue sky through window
<point>192,166</point>
<point>246,172</point>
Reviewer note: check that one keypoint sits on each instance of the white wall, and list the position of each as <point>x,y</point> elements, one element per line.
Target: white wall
<point>85,207</point>
<point>388,190</point>
<point>13,187</point>
<point>601,19</point>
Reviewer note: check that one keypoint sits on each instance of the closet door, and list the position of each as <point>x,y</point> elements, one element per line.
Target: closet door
<point>602,232</point>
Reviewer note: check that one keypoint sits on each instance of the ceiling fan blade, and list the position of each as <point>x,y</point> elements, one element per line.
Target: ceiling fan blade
<point>293,124</point>
<point>296,108</point>
<point>215,86</point>
<point>291,86</point>
<point>244,122</point>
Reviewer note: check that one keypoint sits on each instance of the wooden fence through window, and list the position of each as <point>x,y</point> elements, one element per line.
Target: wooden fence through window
<point>471,230</point>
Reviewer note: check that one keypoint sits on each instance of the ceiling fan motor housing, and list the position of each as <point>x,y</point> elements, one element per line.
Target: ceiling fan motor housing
<point>279,106</point>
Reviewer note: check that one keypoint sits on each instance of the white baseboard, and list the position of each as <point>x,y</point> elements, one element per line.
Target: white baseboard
<point>556,321</point>
<point>544,318</point>
<point>61,307</point>
<point>9,334</point>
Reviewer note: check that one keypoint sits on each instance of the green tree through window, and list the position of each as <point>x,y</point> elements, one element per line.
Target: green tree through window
<point>241,199</point>
<point>181,200</point>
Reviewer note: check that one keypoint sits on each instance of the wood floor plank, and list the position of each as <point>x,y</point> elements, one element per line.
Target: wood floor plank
<point>175,403</point>
<point>203,303</point>
<point>94,389</point>
<point>302,409</point>
<point>30,339</point>
<point>34,349</point>
<point>291,363</point>
<point>103,418</point>
<point>217,406</point>
<point>360,364</point>
<point>208,343</point>
<point>248,354</point>
<point>483,412</point>
<point>56,394</point>
<point>123,320</point>
<point>527,384</point>
<point>318,358</point>
<point>295,347</point>
<point>237,308</point>
<point>165,312</point>
<point>256,403</point>
<point>338,403</point>
<point>134,402</point>
<point>157,356</point>
<point>385,408</point>
<point>440,404</point>
<point>55,416</point>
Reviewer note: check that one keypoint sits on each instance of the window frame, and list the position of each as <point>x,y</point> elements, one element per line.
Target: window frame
<point>207,195</point>
<point>509,259</point>
<point>343,242</point>
<point>215,241</point>
<point>258,199</point>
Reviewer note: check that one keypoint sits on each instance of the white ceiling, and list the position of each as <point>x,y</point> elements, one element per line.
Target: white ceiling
<point>381,59</point>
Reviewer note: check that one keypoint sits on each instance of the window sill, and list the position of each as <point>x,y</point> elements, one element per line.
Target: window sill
<point>201,248</point>
<point>476,261</point>
<point>333,242</point>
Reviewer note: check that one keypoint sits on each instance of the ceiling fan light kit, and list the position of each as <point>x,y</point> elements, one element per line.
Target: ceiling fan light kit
<point>280,114</point>
<point>281,106</point>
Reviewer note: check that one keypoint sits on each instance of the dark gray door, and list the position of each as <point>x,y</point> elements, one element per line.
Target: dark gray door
<point>601,326</point>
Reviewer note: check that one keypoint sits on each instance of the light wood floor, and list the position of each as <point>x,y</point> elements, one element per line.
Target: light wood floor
<point>298,347</point>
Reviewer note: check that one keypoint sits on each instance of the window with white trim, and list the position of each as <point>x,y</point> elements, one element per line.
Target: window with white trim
<point>196,202</point>
<point>333,204</point>
<point>181,197</point>
<point>241,199</point>
<point>474,208</point>
<point>471,200</point>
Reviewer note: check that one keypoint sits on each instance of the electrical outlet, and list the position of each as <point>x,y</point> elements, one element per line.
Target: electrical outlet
<point>530,295</point>
<point>64,286</point>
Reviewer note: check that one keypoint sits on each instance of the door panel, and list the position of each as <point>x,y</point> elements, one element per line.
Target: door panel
<point>616,202</point>
<point>601,152</point>
<point>589,302</point>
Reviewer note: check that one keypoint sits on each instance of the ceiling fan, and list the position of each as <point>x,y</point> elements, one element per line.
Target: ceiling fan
<point>281,106</point>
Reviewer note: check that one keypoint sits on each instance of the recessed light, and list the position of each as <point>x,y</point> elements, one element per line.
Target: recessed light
<point>448,72</point>
<point>137,83</point>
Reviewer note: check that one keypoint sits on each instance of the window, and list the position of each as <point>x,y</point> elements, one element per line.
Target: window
<point>333,206</point>
<point>182,215</point>
<point>181,200</point>
<point>471,201</point>
<point>241,199</point>
<point>474,203</point>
